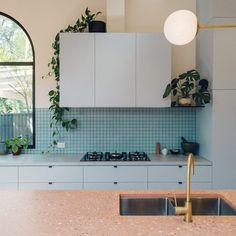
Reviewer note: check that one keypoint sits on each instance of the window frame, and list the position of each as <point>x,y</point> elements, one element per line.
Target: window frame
<point>20,63</point>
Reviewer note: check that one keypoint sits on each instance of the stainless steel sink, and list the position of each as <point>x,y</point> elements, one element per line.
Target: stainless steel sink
<point>143,206</point>
<point>204,206</point>
<point>165,206</point>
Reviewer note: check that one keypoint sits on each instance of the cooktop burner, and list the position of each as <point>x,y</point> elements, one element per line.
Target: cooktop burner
<point>115,156</point>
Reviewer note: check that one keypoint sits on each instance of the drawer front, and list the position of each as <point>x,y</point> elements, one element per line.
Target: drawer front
<point>50,186</point>
<point>166,173</point>
<point>67,174</point>
<point>179,185</point>
<point>115,185</point>
<point>8,174</point>
<point>161,185</point>
<point>202,185</point>
<point>32,174</point>
<point>202,174</point>
<point>8,186</point>
<point>115,174</point>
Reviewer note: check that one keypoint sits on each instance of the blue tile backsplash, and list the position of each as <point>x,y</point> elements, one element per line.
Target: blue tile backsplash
<point>118,129</point>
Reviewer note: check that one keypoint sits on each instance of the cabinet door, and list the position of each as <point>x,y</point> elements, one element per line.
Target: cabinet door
<point>50,186</point>
<point>115,70</point>
<point>115,185</point>
<point>115,174</point>
<point>8,186</point>
<point>67,174</point>
<point>153,70</point>
<point>8,174</point>
<point>166,173</point>
<point>76,70</point>
<point>51,174</point>
<point>162,185</point>
<point>224,136</point>
<point>180,185</point>
<point>224,59</point>
<point>33,174</point>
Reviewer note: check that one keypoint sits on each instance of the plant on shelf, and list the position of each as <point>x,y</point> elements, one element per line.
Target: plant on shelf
<point>54,95</point>
<point>16,144</point>
<point>188,87</point>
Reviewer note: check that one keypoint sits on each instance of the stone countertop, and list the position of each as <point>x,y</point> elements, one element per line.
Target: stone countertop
<point>87,212</point>
<point>74,159</point>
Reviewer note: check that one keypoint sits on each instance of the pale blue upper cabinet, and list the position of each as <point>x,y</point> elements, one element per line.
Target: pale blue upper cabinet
<point>153,69</point>
<point>114,69</point>
<point>76,70</point>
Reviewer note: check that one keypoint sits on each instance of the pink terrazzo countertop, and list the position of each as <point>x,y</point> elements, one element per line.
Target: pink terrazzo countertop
<point>87,212</point>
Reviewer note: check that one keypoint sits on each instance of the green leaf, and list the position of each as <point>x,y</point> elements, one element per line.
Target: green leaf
<point>167,91</point>
<point>174,92</point>
<point>51,93</point>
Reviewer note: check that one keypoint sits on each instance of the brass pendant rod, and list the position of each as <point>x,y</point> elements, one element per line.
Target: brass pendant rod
<point>215,26</point>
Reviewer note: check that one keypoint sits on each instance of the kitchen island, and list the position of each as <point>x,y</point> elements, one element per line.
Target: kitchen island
<point>90,212</point>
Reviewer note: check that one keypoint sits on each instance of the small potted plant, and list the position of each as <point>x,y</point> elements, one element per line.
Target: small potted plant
<point>3,147</point>
<point>16,144</point>
<point>188,87</point>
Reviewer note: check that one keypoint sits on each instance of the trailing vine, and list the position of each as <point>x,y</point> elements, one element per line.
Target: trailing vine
<point>54,95</point>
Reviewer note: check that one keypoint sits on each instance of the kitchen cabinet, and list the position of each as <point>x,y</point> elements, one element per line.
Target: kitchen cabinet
<point>8,178</point>
<point>153,69</point>
<point>50,186</point>
<point>114,69</point>
<point>115,185</point>
<point>224,59</point>
<point>77,70</point>
<point>174,177</point>
<point>50,177</point>
<point>217,134</point>
<point>223,138</point>
<point>115,177</point>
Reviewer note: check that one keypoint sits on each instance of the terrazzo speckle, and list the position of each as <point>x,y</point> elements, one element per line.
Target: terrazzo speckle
<point>89,212</point>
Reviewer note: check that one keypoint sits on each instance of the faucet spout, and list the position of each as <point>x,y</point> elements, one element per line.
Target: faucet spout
<point>186,210</point>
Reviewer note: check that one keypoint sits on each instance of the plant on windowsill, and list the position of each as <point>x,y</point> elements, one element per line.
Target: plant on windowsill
<point>17,144</point>
<point>188,88</point>
<point>54,95</point>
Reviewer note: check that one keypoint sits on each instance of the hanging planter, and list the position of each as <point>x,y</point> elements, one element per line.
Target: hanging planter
<point>58,113</point>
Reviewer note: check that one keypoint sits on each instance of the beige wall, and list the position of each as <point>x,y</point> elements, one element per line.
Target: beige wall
<point>150,15</point>
<point>44,18</point>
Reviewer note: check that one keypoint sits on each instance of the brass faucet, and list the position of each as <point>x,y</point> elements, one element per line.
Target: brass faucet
<point>186,210</point>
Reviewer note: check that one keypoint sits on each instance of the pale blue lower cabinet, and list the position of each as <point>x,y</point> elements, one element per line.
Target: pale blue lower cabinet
<point>102,177</point>
<point>174,177</point>
<point>115,185</point>
<point>115,177</point>
<point>8,178</point>
<point>50,177</point>
<point>50,186</point>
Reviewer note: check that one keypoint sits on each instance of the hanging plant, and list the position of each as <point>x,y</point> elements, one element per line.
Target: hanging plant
<point>58,112</point>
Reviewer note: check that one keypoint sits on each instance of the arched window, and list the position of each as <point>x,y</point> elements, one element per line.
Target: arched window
<point>17,75</point>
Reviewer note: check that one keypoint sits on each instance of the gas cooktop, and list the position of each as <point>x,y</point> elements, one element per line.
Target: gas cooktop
<point>115,156</point>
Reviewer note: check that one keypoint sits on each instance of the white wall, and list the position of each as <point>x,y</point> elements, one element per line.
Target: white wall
<point>44,18</point>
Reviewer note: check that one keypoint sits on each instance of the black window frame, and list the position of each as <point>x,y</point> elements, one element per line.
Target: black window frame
<point>15,63</point>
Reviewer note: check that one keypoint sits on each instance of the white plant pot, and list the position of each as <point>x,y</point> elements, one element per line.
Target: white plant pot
<point>185,102</point>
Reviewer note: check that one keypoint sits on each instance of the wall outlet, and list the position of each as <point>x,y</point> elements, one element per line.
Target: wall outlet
<point>61,145</point>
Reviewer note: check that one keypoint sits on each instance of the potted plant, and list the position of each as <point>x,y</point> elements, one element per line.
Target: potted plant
<point>188,87</point>
<point>3,148</point>
<point>16,144</point>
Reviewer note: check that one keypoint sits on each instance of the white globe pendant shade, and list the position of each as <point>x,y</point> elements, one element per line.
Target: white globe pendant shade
<point>180,27</point>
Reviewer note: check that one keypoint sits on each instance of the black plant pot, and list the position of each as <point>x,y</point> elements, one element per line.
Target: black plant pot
<point>97,26</point>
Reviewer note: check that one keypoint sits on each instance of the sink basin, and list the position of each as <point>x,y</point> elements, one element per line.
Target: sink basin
<point>143,206</point>
<point>204,206</point>
<point>135,205</point>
